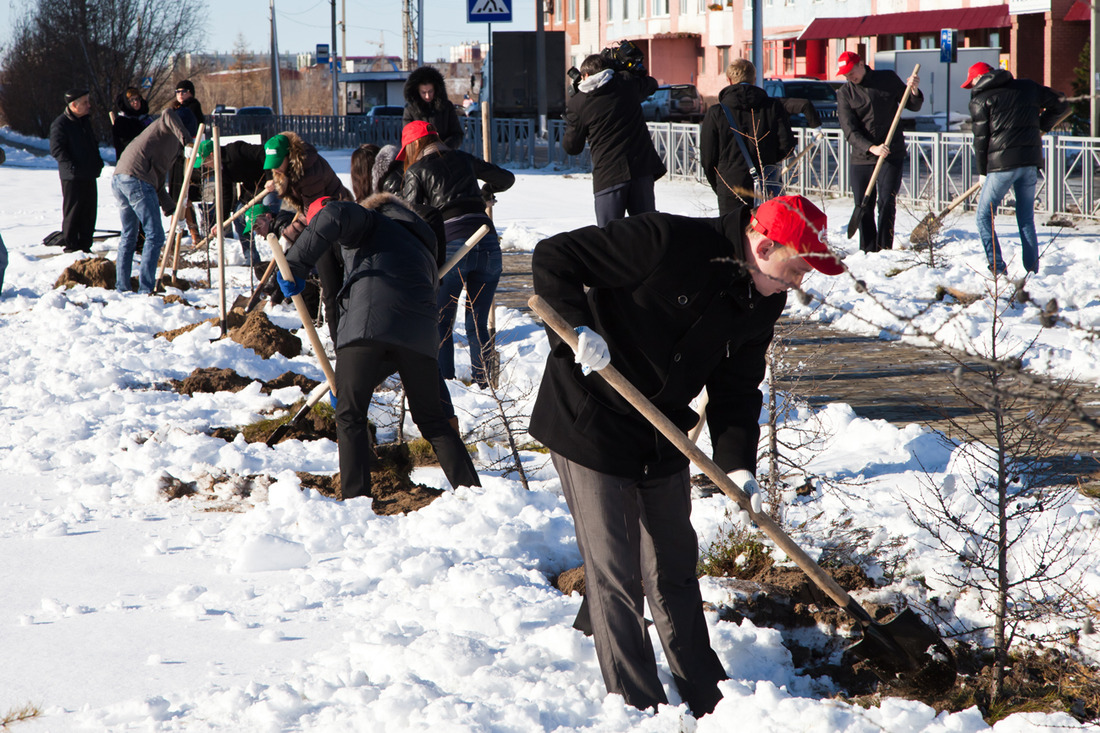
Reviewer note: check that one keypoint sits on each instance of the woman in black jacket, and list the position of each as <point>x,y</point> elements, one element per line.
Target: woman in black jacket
<point>130,118</point>
<point>447,180</point>
<point>426,100</point>
<point>387,320</point>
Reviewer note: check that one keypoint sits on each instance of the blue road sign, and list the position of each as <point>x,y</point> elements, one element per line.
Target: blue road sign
<point>322,54</point>
<point>949,52</point>
<point>488,11</point>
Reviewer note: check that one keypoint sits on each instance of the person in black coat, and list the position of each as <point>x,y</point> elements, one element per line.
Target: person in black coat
<point>130,118</point>
<point>447,180</point>
<point>185,99</point>
<point>73,144</point>
<point>677,304</point>
<point>764,128</point>
<point>1009,117</point>
<point>387,321</point>
<point>606,112</point>
<point>243,166</point>
<point>866,107</point>
<point>426,100</point>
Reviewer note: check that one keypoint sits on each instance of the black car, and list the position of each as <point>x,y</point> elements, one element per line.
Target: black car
<point>820,94</point>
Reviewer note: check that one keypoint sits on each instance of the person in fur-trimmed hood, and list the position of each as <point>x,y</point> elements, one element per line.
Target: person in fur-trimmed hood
<point>426,100</point>
<point>387,320</point>
<point>301,176</point>
<point>130,118</point>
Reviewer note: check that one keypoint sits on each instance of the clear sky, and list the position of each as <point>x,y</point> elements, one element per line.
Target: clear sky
<point>372,25</point>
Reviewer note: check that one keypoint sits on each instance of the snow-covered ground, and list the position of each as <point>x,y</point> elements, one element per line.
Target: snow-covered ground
<point>121,610</point>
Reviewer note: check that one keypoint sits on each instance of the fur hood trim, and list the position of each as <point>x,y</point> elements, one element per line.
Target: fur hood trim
<point>378,200</point>
<point>382,162</point>
<point>425,75</point>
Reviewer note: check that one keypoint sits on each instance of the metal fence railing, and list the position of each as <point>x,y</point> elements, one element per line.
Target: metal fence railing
<point>940,166</point>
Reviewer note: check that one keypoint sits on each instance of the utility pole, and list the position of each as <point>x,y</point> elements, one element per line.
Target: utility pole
<point>540,66</point>
<point>757,40</point>
<point>276,96</point>
<point>1094,70</point>
<point>334,65</point>
<point>412,31</point>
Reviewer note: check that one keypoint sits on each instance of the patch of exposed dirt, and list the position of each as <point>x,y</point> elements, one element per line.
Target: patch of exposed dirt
<point>391,488</point>
<point>211,379</point>
<point>233,319</point>
<point>94,272</point>
<point>265,338</point>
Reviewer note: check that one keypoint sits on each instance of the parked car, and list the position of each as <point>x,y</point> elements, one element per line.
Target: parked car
<point>820,94</point>
<point>382,123</point>
<point>255,120</point>
<point>222,109</point>
<point>674,102</point>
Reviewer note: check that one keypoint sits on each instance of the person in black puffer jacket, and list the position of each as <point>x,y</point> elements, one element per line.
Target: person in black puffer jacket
<point>447,180</point>
<point>606,111</point>
<point>387,320</point>
<point>426,100</point>
<point>1009,116</point>
<point>73,144</point>
<point>866,107</point>
<point>766,132</point>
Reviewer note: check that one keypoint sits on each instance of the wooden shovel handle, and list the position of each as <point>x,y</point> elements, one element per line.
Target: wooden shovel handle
<point>889,136</point>
<point>236,214</point>
<point>303,313</point>
<point>180,201</point>
<point>630,393</point>
<point>466,247</point>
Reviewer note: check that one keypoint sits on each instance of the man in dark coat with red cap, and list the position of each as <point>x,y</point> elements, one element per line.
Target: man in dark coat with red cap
<point>678,304</point>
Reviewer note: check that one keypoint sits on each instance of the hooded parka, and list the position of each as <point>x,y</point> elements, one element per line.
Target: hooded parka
<point>441,112</point>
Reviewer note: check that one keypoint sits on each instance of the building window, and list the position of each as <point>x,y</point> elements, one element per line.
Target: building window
<point>683,4</point>
<point>723,58</point>
<point>588,9</point>
<point>660,7</point>
<point>572,11</point>
<point>995,39</point>
<point>626,9</point>
<point>929,42</point>
<point>641,9</point>
<point>557,11</point>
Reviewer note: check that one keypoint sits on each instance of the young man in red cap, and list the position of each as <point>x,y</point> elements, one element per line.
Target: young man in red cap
<point>678,304</point>
<point>865,107</point>
<point>1010,117</point>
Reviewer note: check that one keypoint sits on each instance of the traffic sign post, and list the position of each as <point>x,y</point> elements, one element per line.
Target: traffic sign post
<point>488,11</point>
<point>949,54</point>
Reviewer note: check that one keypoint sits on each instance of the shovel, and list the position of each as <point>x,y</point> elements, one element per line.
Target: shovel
<point>904,647</point>
<point>314,397</point>
<point>931,222</point>
<point>853,223</point>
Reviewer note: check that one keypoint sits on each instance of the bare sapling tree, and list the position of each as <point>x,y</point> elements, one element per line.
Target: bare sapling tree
<point>1003,511</point>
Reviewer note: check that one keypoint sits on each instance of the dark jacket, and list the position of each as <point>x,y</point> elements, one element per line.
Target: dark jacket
<point>766,131</point>
<point>390,275</point>
<point>178,170</point>
<point>609,118</point>
<point>448,180</point>
<point>243,163</point>
<point>74,145</point>
<point>866,111</point>
<point>1010,117</point>
<point>153,152</point>
<point>679,313</point>
<point>441,112</point>
<point>128,123</point>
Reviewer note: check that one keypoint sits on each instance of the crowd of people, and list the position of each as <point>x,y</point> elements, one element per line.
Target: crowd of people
<point>678,304</point>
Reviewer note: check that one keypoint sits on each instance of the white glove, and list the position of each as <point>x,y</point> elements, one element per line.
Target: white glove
<point>592,352</point>
<point>284,243</point>
<point>745,481</point>
<point>981,180</point>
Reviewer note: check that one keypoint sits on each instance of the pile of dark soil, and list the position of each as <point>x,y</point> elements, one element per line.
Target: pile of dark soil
<point>392,489</point>
<point>94,272</point>
<point>254,331</point>
<point>212,379</point>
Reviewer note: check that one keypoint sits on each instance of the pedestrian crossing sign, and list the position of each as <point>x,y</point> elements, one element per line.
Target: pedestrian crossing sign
<point>489,11</point>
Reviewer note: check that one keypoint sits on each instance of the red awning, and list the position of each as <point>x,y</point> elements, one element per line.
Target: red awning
<point>1080,10</point>
<point>824,28</point>
<point>921,21</point>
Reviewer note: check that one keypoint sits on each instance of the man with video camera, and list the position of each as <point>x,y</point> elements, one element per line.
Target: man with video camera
<point>605,110</point>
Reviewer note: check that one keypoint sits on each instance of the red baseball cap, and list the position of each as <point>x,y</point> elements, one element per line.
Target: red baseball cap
<point>848,61</point>
<point>316,207</point>
<point>979,69</point>
<point>795,222</point>
<point>414,131</point>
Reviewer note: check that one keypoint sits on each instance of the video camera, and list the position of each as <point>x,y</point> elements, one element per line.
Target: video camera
<point>624,57</point>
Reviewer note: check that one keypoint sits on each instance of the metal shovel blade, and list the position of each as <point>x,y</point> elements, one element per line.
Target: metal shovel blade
<point>853,223</point>
<point>906,649</point>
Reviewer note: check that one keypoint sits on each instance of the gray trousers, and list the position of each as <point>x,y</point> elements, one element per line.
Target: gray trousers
<point>637,543</point>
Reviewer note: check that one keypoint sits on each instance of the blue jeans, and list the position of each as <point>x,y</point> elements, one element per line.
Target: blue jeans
<point>479,272</point>
<point>1022,181</point>
<point>137,203</point>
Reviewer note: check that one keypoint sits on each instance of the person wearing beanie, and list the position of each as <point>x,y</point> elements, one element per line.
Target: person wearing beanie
<point>1009,116</point>
<point>426,100</point>
<point>74,145</point>
<point>185,99</point>
<point>866,106</point>
<point>676,304</point>
<point>242,163</point>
